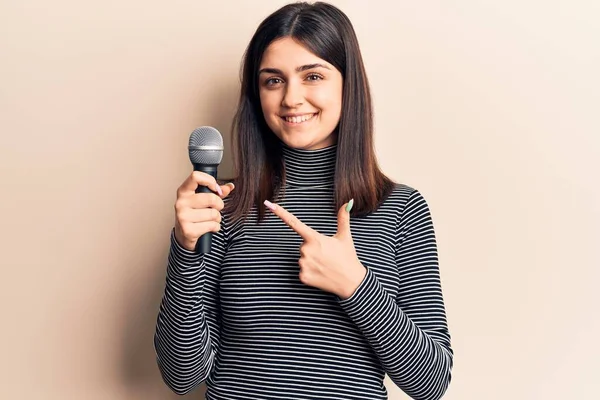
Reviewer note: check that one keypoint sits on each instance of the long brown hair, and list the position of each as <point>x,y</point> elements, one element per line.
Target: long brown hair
<point>328,33</point>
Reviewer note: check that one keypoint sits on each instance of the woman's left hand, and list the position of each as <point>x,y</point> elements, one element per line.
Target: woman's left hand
<point>327,263</point>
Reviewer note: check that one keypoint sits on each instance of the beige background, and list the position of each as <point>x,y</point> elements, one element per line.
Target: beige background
<point>490,108</point>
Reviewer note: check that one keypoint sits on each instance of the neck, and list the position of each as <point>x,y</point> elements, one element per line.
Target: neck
<point>309,167</point>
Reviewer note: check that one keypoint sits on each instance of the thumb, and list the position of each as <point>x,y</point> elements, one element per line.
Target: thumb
<point>226,189</point>
<point>344,221</point>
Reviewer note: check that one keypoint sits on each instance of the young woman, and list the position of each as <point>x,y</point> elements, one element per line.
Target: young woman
<point>323,274</point>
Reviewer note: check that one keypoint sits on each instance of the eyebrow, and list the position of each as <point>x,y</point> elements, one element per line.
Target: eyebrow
<point>299,69</point>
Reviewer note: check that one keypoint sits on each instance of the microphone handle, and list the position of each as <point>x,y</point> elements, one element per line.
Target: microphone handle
<point>204,242</point>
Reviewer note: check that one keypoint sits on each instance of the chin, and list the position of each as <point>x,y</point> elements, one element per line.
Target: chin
<point>303,142</point>
<point>298,143</point>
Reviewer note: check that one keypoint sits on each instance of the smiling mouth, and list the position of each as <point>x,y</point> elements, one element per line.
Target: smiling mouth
<point>300,119</point>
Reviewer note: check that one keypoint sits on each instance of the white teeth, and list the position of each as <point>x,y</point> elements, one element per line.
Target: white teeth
<point>297,120</point>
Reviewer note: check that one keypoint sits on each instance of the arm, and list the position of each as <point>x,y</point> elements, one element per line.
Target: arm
<point>186,339</point>
<point>409,334</point>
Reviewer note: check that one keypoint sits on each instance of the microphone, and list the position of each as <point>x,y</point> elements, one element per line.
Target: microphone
<point>206,152</point>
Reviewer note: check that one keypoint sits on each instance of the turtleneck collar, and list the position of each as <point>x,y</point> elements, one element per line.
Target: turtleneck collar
<point>309,167</point>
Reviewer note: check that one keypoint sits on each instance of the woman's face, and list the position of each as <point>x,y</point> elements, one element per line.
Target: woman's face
<point>300,95</point>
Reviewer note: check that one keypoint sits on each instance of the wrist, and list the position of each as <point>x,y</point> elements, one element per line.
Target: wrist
<point>180,238</point>
<point>353,282</point>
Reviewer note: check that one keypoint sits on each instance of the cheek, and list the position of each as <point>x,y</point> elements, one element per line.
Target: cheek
<point>270,108</point>
<point>329,100</point>
<point>269,104</point>
<point>331,113</point>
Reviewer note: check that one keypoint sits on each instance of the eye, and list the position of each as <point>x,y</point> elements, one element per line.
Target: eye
<point>272,81</point>
<point>314,77</point>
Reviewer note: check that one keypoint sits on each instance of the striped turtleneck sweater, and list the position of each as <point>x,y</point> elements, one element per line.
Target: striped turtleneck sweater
<point>239,319</point>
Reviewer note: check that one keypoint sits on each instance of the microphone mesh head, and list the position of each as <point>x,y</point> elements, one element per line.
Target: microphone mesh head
<point>209,137</point>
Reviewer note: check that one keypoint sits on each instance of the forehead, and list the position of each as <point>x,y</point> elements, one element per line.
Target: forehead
<point>286,53</point>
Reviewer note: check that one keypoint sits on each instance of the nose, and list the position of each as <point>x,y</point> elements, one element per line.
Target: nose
<point>293,95</point>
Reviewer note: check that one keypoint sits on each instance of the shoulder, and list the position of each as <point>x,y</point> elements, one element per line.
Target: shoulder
<point>405,200</point>
<point>403,194</point>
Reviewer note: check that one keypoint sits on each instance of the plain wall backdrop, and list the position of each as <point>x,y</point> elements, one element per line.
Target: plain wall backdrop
<point>490,109</point>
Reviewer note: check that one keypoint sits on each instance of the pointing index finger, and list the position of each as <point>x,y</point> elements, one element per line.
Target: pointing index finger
<point>305,231</point>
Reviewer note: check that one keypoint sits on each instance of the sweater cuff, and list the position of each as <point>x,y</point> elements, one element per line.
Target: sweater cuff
<point>181,260</point>
<point>369,295</point>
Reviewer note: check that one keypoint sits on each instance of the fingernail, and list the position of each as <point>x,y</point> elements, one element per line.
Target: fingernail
<point>219,190</point>
<point>349,205</point>
<point>231,184</point>
<point>270,205</point>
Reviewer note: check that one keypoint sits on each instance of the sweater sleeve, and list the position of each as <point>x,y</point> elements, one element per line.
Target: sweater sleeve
<point>186,338</point>
<point>409,334</point>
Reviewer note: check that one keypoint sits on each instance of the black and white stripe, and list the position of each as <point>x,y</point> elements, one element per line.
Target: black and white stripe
<point>240,319</point>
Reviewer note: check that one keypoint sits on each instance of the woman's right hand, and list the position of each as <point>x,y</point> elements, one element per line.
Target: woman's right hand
<point>198,213</point>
